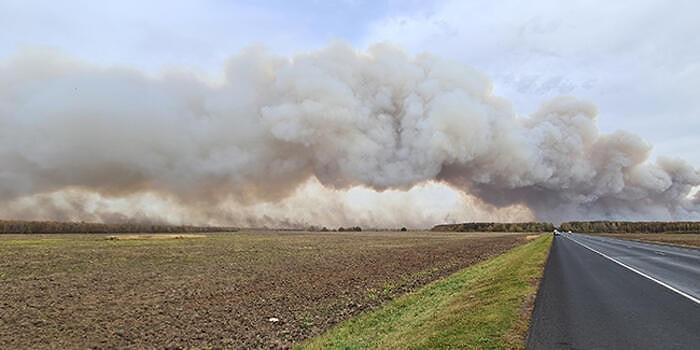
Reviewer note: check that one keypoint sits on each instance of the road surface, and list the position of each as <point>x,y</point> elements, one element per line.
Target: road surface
<point>589,300</point>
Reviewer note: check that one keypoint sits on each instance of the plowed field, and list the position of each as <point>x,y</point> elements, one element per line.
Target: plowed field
<point>241,290</point>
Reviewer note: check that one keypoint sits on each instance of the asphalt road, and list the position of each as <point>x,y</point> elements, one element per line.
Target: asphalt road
<point>589,301</point>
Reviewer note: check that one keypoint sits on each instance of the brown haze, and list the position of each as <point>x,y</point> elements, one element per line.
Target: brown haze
<point>279,140</point>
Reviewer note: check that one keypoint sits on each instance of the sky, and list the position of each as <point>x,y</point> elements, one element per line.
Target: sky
<point>637,62</point>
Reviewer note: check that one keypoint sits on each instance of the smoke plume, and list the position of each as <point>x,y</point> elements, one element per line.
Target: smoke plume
<point>282,140</point>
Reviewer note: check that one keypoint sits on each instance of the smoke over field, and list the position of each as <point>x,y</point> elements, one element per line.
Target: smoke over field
<point>331,136</point>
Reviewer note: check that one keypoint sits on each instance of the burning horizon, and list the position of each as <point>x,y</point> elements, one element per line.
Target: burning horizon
<point>330,137</point>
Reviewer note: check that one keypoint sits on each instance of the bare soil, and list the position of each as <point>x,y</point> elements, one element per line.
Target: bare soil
<point>154,236</point>
<point>681,239</point>
<point>243,290</point>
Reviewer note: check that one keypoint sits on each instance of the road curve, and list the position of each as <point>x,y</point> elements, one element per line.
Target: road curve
<point>590,301</point>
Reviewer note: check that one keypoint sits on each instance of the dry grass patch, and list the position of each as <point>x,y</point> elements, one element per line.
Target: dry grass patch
<point>152,236</point>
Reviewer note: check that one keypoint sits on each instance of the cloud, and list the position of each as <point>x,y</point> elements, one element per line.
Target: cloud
<point>637,62</point>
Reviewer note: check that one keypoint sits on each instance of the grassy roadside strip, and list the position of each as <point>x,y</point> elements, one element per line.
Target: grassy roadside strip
<point>484,306</point>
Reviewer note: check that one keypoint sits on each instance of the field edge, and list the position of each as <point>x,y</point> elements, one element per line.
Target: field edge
<point>487,305</point>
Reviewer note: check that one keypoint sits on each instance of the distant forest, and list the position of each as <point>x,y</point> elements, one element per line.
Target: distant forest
<point>17,226</point>
<point>14,226</point>
<point>577,226</point>
<point>631,227</point>
<point>496,227</point>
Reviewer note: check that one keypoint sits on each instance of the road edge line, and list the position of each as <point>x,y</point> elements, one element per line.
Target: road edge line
<point>692,298</point>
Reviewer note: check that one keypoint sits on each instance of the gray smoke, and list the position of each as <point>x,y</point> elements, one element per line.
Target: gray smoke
<point>381,119</point>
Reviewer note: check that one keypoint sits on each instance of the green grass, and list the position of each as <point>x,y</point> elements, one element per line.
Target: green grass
<point>484,306</point>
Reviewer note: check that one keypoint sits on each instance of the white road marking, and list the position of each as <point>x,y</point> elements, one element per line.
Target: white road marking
<point>692,298</point>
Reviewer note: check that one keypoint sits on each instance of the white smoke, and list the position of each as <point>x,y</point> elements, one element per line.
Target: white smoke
<point>380,119</point>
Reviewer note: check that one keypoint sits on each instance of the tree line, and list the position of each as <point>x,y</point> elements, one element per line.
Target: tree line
<point>631,226</point>
<point>16,226</point>
<point>495,227</point>
<point>577,226</point>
